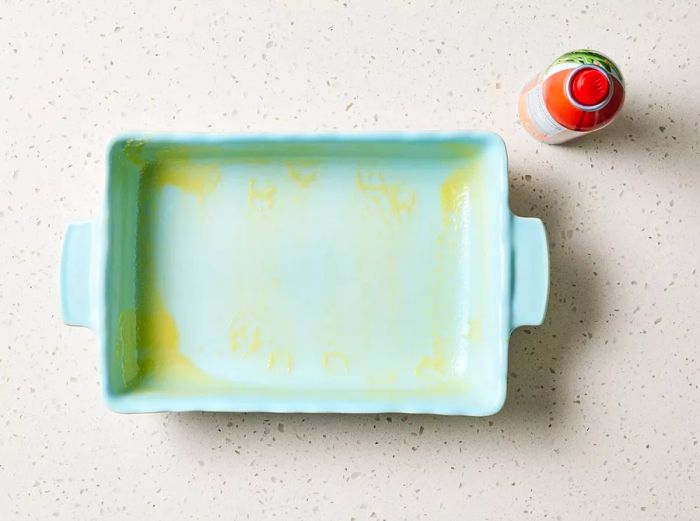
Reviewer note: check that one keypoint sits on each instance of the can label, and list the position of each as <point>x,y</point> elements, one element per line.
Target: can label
<point>539,114</point>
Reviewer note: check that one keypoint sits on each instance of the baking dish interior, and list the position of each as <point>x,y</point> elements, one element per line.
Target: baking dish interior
<point>357,274</point>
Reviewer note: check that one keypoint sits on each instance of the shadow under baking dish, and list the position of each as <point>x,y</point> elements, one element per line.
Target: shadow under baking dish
<point>273,275</point>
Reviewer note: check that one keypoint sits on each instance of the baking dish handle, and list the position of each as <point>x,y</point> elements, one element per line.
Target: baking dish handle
<point>76,274</point>
<point>530,272</point>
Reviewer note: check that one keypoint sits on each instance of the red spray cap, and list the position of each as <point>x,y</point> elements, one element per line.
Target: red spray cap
<point>590,86</point>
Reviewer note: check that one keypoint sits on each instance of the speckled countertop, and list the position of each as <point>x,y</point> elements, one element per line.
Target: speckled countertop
<point>602,416</point>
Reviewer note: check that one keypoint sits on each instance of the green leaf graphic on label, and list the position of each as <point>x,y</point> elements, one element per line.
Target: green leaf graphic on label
<point>588,57</point>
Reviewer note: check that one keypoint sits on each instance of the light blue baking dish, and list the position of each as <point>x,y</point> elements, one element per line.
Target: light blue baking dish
<point>306,273</point>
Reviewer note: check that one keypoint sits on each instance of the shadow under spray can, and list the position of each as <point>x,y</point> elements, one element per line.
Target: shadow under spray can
<point>580,92</point>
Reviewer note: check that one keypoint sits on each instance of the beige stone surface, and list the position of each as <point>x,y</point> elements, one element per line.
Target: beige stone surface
<point>601,420</point>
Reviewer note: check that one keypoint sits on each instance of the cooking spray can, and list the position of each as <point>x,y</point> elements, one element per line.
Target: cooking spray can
<point>580,92</point>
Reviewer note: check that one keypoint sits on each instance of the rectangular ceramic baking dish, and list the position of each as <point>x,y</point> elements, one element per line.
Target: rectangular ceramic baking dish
<point>306,273</point>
